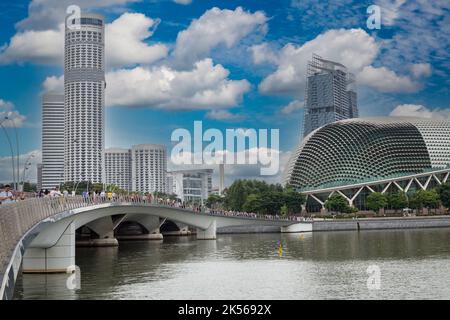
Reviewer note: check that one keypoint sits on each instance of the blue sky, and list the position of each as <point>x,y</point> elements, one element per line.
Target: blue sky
<point>228,63</point>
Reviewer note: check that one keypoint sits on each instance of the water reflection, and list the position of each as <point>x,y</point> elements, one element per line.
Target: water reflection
<point>413,264</point>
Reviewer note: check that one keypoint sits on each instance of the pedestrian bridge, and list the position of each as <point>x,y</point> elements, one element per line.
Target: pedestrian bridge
<point>39,234</point>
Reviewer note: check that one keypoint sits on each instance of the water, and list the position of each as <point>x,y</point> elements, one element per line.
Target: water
<point>414,264</point>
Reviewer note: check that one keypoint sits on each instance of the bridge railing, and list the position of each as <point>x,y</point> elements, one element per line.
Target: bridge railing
<point>17,218</point>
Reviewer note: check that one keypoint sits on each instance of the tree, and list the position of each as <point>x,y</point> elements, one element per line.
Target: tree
<point>424,199</point>
<point>252,203</point>
<point>376,201</point>
<point>397,201</point>
<point>236,195</point>
<point>214,201</point>
<point>337,203</point>
<point>293,200</point>
<point>444,194</point>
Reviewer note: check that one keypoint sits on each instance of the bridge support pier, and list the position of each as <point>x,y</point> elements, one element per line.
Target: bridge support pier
<point>57,259</point>
<point>297,227</point>
<point>207,234</point>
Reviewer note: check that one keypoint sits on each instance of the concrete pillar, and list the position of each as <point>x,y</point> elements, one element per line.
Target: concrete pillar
<point>207,234</point>
<point>57,259</point>
<point>297,227</point>
<point>104,227</point>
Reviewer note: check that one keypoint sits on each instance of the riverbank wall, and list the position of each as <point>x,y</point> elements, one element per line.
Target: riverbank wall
<point>353,225</point>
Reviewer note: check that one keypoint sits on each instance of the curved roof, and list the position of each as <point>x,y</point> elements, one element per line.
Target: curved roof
<point>355,150</point>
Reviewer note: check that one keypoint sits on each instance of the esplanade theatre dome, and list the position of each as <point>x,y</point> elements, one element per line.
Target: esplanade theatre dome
<point>357,150</point>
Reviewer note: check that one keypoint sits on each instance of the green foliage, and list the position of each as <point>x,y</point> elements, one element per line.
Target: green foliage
<point>259,197</point>
<point>397,201</point>
<point>337,203</point>
<point>424,199</point>
<point>444,194</point>
<point>376,201</point>
<point>214,201</point>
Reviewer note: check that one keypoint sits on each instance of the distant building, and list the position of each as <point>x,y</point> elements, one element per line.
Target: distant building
<point>148,168</point>
<point>52,167</point>
<point>328,97</point>
<point>84,91</point>
<point>118,168</point>
<point>191,185</point>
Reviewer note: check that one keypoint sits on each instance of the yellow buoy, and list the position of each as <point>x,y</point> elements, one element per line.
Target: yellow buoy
<point>280,250</point>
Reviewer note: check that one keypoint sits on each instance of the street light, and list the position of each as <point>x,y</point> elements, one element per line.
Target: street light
<point>11,149</point>
<point>7,117</point>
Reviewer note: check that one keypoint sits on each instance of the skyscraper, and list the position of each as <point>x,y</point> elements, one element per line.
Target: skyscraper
<point>118,168</point>
<point>148,168</point>
<point>329,96</point>
<point>84,85</point>
<point>52,168</point>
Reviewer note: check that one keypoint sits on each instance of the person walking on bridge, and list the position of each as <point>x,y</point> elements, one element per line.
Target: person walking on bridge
<point>6,196</point>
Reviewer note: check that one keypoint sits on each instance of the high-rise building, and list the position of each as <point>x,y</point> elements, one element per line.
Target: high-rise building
<point>329,94</point>
<point>52,168</point>
<point>191,185</point>
<point>84,85</point>
<point>148,168</point>
<point>118,168</point>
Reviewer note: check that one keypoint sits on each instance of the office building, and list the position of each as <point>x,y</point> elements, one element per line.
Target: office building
<point>148,168</point>
<point>191,186</point>
<point>118,168</point>
<point>52,167</point>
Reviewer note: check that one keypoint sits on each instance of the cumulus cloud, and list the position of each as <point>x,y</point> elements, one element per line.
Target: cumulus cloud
<point>224,115</point>
<point>53,84</point>
<point>354,48</point>
<point>43,47</point>
<point>125,43</point>
<point>206,86</point>
<point>185,2</point>
<point>385,80</point>
<point>124,46</point>
<point>262,53</point>
<point>215,27</point>
<point>48,14</point>
<point>419,70</point>
<point>420,111</point>
<point>6,173</point>
<point>10,117</point>
<point>293,106</point>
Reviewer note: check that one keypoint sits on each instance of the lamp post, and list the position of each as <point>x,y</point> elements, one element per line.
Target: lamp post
<point>25,167</point>
<point>11,149</point>
<point>7,117</point>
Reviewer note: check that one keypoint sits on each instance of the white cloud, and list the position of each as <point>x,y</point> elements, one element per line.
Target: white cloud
<point>6,173</point>
<point>206,86</point>
<point>223,115</point>
<point>185,2</point>
<point>125,41</point>
<point>54,84</point>
<point>49,14</point>
<point>419,70</point>
<point>124,45</point>
<point>43,47</point>
<point>390,10</point>
<point>385,80</point>
<point>293,106</point>
<point>262,53</point>
<point>9,116</point>
<point>420,111</point>
<point>354,48</point>
<point>215,27</point>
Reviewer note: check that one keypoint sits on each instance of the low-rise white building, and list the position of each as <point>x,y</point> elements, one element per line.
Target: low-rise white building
<point>190,185</point>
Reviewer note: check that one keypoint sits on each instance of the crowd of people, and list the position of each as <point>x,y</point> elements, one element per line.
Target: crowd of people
<point>7,195</point>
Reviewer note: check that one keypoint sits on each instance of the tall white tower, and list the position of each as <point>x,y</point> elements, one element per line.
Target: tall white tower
<point>148,168</point>
<point>84,91</point>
